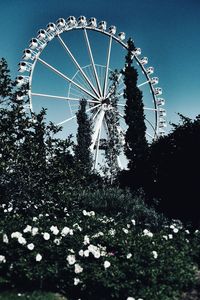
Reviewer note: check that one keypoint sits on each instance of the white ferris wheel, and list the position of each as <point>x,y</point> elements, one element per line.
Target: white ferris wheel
<point>73,59</point>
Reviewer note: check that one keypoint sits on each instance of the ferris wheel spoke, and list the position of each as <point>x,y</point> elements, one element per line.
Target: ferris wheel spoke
<point>97,148</point>
<point>97,126</point>
<point>107,67</point>
<point>141,84</point>
<point>151,136</point>
<point>96,113</point>
<point>77,65</point>
<point>73,117</point>
<point>150,109</point>
<point>92,61</point>
<point>61,97</point>
<point>66,78</point>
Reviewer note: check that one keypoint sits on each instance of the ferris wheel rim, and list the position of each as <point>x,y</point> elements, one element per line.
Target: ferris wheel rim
<point>87,28</point>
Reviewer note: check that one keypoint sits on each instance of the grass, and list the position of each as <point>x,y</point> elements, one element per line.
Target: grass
<point>30,296</point>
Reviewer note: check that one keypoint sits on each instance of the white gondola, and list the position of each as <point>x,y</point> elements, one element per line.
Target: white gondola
<point>162,112</point>
<point>27,53</point>
<point>122,36</point>
<point>112,29</point>
<point>20,95</point>
<point>51,27</point>
<point>33,43</point>
<point>144,61</point>
<point>154,80</point>
<point>162,123</point>
<point>137,51</point>
<point>60,23</point>
<point>160,101</point>
<point>150,70</point>
<point>92,22</point>
<point>22,80</point>
<point>158,91</point>
<point>82,21</point>
<point>41,34</point>
<point>71,21</point>
<point>24,66</point>
<point>161,132</point>
<point>102,25</point>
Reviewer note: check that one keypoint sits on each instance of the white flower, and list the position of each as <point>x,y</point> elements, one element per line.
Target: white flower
<point>16,234</point>
<point>172,226</point>
<point>78,269</point>
<point>81,252</point>
<point>76,281</point>
<point>46,236</point>
<point>88,213</point>
<point>38,257</point>
<point>112,231</point>
<point>84,212</point>
<point>54,230</point>
<point>106,264</point>
<point>98,234</point>
<point>187,231</point>
<point>57,241</point>
<point>125,230</point>
<point>140,299</point>
<point>2,259</point>
<point>130,298</point>
<point>175,230</point>
<point>35,219</point>
<point>86,253</point>
<point>21,240</point>
<point>155,254</point>
<point>165,237</point>
<point>76,226</point>
<point>128,226</point>
<point>71,259</point>
<point>170,236</point>
<point>129,255</point>
<point>27,229</point>
<point>133,222</point>
<point>196,231</point>
<point>34,231</point>
<point>65,231</point>
<point>30,246</point>
<point>148,233</point>
<point>86,240</point>
<point>71,232</point>
<point>5,238</point>
<point>10,208</point>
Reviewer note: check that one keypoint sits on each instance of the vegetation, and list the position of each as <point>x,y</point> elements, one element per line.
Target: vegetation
<point>63,229</point>
<point>136,146</point>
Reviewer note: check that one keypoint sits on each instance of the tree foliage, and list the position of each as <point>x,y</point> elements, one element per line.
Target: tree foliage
<point>136,146</point>
<point>83,156</point>
<point>174,177</point>
<point>114,142</point>
<point>5,81</point>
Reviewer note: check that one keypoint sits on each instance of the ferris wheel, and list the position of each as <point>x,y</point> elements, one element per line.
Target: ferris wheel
<point>74,59</point>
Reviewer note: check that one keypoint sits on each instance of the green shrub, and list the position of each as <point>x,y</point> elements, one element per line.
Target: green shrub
<point>94,257</point>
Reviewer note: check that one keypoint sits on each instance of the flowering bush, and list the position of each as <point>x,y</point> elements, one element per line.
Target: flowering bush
<point>89,256</point>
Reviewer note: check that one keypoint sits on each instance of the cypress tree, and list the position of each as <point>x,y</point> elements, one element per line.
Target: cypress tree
<point>136,145</point>
<point>5,81</point>
<point>114,142</point>
<point>83,157</point>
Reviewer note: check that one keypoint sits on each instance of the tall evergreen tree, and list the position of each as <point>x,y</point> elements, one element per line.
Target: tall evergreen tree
<point>136,145</point>
<point>83,157</point>
<point>114,142</point>
<point>5,81</point>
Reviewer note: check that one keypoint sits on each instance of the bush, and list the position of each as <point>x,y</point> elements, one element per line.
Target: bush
<point>90,256</point>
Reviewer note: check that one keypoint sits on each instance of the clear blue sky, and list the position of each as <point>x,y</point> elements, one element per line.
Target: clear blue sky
<point>168,32</point>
